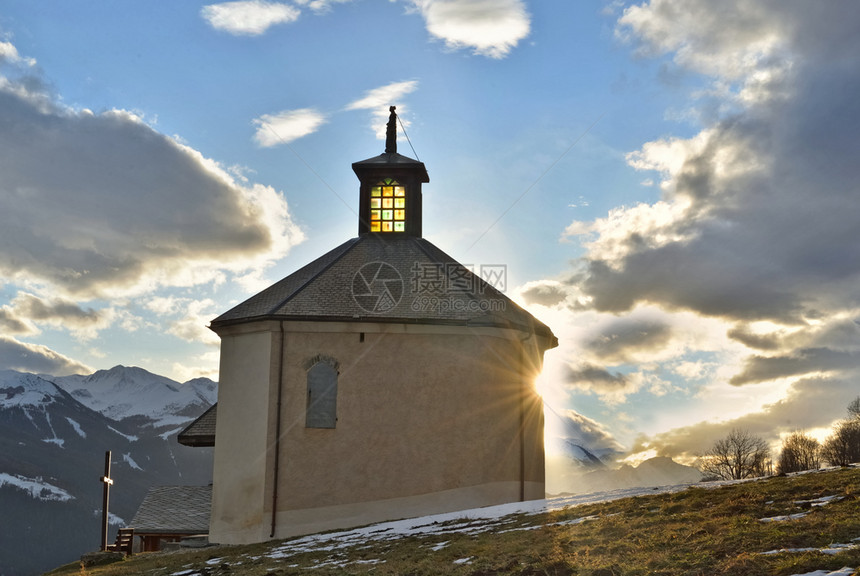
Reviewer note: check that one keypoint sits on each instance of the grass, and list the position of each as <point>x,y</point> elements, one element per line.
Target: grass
<point>704,530</point>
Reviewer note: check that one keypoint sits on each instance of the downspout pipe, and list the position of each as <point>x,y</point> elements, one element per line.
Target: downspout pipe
<point>275,475</point>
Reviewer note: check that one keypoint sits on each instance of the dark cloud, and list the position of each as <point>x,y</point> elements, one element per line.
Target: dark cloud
<point>771,228</point>
<point>758,341</point>
<point>800,362</point>
<point>56,310</point>
<point>758,226</point>
<point>623,338</point>
<point>597,379</point>
<point>544,294</point>
<point>96,203</point>
<point>15,355</point>
<point>11,323</point>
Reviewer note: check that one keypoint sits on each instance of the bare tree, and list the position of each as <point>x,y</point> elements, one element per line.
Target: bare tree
<point>739,455</point>
<point>854,409</point>
<point>799,452</point>
<point>843,446</point>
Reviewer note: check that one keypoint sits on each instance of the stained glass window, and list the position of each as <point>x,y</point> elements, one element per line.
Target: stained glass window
<point>388,207</point>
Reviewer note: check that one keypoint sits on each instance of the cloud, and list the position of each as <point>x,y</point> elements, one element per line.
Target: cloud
<point>186,318</point>
<point>798,363</point>
<point>61,313</point>
<point>12,323</point>
<point>286,126</point>
<point>490,28</point>
<point>755,222</point>
<point>202,366</point>
<point>95,205</point>
<point>15,355</point>
<point>614,387</point>
<point>748,264</point>
<point>56,310</point>
<point>544,293</point>
<point>378,100</point>
<point>623,339</point>
<point>248,18</point>
<point>383,96</point>
<point>320,6</point>
<point>810,404</point>
<point>572,426</point>
<point>9,53</point>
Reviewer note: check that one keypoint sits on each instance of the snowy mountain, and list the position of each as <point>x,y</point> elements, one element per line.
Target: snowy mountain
<point>580,459</point>
<point>659,471</point>
<point>54,433</point>
<point>121,392</point>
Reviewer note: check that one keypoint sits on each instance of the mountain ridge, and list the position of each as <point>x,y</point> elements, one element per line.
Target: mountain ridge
<point>52,447</point>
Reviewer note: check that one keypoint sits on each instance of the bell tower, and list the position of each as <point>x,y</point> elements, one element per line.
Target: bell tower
<point>390,189</point>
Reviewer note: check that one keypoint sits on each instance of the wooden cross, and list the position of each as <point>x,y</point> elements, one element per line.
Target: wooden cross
<point>106,479</point>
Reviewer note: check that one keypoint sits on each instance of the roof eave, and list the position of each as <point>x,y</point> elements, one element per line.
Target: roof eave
<point>538,327</point>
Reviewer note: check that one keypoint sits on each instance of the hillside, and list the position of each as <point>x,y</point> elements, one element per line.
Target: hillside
<point>802,524</point>
<point>52,447</point>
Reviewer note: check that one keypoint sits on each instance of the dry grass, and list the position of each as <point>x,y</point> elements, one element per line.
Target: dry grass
<point>700,531</point>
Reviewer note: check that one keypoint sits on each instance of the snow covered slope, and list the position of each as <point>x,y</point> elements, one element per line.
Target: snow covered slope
<point>124,392</point>
<point>52,449</point>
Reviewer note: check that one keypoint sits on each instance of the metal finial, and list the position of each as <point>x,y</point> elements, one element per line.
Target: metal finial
<point>391,132</point>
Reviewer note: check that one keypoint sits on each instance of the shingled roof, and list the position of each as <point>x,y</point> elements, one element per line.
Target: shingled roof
<point>174,510</point>
<point>201,432</point>
<point>387,278</point>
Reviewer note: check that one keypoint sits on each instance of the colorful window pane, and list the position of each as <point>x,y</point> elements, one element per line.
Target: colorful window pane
<point>388,207</point>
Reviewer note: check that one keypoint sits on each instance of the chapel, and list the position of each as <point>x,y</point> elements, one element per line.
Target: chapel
<point>383,380</point>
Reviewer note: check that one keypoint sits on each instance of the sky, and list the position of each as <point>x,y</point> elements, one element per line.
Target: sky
<point>672,186</point>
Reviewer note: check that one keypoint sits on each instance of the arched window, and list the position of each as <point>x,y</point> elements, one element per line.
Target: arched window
<point>322,396</point>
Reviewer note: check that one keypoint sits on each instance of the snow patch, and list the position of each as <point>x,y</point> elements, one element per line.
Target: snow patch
<point>169,433</point>
<point>823,501</point>
<point>126,436</point>
<point>113,519</point>
<point>130,461</point>
<point>77,427</point>
<point>58,441</point>
<point>20,390</point>
<point>36,487</point>
<point>846,571</point>
<point>784,518</point>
